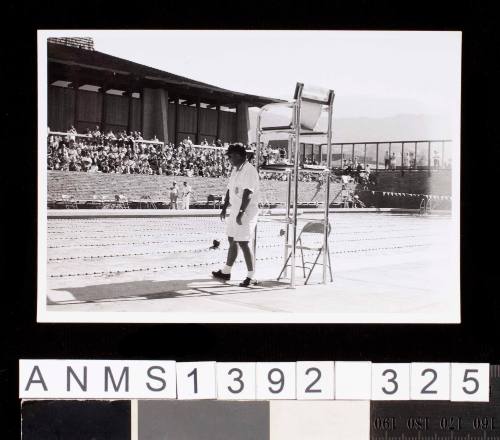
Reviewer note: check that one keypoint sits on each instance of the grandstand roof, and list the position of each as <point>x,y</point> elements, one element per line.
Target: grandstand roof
<point>81,66</point>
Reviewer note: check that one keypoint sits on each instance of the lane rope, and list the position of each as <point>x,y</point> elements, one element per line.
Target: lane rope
<point>192,265</point>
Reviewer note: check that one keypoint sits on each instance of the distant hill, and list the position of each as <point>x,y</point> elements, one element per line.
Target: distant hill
<point>364,129</point>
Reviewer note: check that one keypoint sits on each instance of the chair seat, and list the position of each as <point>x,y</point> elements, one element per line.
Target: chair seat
<point>291,130</point>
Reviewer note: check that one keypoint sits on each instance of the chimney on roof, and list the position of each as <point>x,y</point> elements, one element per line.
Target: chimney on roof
<point>86,43</point>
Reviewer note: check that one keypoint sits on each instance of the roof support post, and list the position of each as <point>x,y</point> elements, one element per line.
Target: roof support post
<point>242,122</point>
<point>198,111</point>
<point>155,114</point>
<point>218,122</point>
<point>177,119</point>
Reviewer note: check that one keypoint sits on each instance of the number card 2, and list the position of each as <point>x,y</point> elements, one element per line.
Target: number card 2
<point>430,381</point>
<point>390,381</point>
<point>315,380</point>
<point>236,381</point>
<point>470,382</point>
<point>196,380</point>
<point>275,380</point>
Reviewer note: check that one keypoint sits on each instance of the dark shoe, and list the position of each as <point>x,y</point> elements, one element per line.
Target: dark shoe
<point>247,281</point>
<point>221,276</point>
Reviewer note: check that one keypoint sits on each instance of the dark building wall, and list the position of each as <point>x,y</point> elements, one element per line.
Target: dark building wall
<point>227,126</point>
<point>151,114</point>
<point>187,123</point>
<point>135,114</point>
<point>88,110</point>
<point>208,124</point>
<point>172,121</point>
<point>116,112</point>
<point>438,182</point>
<point>61,108</point>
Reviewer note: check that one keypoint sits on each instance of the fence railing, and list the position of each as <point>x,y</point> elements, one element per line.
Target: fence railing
<point>88,136</point>
<point>423,154</point>
<point>396,154</point>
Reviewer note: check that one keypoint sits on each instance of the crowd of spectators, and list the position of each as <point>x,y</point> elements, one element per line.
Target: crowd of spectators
<point>354,171</point>
<point>129,153</point>
<point>124,153</point>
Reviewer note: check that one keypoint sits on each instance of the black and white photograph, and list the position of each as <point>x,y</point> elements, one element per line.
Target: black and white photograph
<point>249,176</point>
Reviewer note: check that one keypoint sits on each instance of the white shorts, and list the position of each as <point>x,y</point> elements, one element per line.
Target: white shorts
<point>245,231</point>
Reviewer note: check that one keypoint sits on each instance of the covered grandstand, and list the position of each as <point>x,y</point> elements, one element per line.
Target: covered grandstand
<point>88,88</point>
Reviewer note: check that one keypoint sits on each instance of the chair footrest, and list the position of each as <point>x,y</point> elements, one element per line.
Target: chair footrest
<point>307,262</point>
<point>307,248</point>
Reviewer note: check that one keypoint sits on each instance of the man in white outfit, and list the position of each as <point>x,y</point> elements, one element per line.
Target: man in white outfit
<point>186,195</point>
<point>243,197</point>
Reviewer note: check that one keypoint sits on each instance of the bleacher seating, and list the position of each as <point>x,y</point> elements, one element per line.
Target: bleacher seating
<point>91,186</point>
<point>93,189</point>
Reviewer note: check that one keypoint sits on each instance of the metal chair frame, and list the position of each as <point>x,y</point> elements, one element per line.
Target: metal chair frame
<point>295,130</point>
<point>312,227</point>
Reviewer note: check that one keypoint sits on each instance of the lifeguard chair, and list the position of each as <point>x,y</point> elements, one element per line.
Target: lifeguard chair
<point>306,107</point>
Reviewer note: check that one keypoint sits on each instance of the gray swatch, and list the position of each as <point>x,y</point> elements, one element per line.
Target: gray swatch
<point>203,420</point>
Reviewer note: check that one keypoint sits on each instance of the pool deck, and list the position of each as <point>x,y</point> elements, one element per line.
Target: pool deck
<point>389,268</point>
<point>145,213</point>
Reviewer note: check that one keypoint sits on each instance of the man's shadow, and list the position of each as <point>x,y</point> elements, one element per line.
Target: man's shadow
<point>149,289</point>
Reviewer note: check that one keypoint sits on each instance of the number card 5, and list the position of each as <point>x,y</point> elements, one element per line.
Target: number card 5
<point>315,380</point>
<point>390,381</point>
<point>236,381</point>
<point>430,381</point>
<point>275,380</point>
<point>470,382</point>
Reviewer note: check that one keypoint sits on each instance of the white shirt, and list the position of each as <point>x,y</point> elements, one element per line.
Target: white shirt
<point>244,177</point>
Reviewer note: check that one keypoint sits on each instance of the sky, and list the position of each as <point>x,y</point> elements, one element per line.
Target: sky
<point>373,73</point>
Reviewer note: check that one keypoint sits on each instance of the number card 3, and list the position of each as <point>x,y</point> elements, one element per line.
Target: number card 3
<point>390,381</point>
<point>236,381</point>
<point>275,380</point>
<point>196,380</point>
<point>315,380</point>
<point>470,382</point>
<point>430,381</point>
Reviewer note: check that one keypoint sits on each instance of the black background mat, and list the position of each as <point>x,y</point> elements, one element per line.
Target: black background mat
<point>474,340</point>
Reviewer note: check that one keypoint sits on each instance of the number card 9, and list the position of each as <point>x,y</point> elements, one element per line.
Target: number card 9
<point>275,380</point>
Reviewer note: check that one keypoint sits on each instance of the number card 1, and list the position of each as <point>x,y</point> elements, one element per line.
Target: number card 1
<point>315,380</point>
<point>275,380</point>
<point>196,380</point>
<point>470,382</point>
<point>390,381</point>
<point>430,381</point>
<point>236,381</point>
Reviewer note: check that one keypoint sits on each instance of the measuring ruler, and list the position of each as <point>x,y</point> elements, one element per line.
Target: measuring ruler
<point>438,420</point>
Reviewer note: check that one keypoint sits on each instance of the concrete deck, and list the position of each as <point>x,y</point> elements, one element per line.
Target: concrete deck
<point>155,213</point>
<point>388,267</point>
